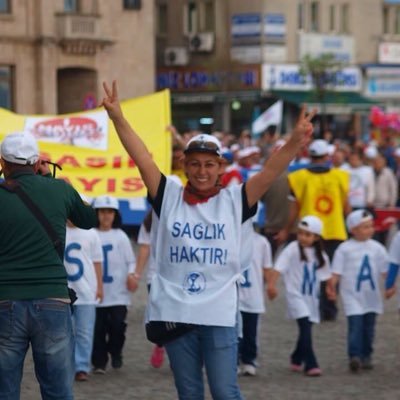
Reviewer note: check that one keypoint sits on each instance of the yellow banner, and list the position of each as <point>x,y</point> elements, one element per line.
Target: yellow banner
<point>92,171</point>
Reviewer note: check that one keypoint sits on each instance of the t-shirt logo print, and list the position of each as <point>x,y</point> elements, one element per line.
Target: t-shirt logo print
<point>194,283</point>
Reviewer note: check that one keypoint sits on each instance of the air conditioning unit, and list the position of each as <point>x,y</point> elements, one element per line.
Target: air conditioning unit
<point>201,42</point>
<point>176,56</point>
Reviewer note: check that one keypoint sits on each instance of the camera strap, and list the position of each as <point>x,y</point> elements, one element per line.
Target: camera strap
<point>13,186</point>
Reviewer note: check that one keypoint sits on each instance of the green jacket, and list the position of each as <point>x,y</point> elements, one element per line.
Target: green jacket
<point>30,267</point>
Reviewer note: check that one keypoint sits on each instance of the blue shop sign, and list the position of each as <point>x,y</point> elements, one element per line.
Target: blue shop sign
<point>246,25</point>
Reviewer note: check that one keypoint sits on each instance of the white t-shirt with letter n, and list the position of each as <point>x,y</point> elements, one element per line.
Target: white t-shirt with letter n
<point>302,280</point>
<point>359,264</point>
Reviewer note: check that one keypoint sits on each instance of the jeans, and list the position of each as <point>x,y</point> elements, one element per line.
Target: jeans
<point>214,347</point>
<point>46,325</point>
<point>360,335</point>
<point>248,343</point>
<point>83,318</point>
<point>109,334</point>
<point>304,353</point>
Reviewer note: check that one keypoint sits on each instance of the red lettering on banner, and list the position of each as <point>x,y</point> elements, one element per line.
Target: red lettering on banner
<point>132,184</point>
<point>117,162</point>
<point>111,185</point>
<point>71,160</point>
<point>88,185</point>
<point>96,162</point>
<point>131,163</point>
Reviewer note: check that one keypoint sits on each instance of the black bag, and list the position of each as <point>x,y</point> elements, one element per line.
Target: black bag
<point>162,332</point>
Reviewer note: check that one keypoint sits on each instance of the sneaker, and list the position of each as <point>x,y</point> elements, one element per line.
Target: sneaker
<point>99,371</point>
<point>296,368</point>
<point>81,376</point>
<point>366,363</point>
<point>314,372</point>
<point>249,370</point>
<point>354,364</point>
<point>116,362</point>
<point>157,357</point>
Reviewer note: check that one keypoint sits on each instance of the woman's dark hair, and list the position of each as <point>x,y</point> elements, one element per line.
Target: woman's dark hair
<point>117,223</point>
<point>319,249</point>
<point>147,221</point>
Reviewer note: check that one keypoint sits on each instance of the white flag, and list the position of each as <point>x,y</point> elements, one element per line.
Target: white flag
<point>271,116</point>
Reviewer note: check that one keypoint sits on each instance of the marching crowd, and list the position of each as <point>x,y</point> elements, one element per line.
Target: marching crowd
<point>233,217</point>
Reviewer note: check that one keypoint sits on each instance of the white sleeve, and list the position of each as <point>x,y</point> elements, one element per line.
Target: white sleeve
<point>127,252</point>
<point>143,236</point>
<point>394,249</point>
<point>383,259</point>
<point>338,260</point>
<point>96,248</point>
<point>370,187</point>
<point>324,273</point>
<point>285,259</point>
<point>267,254</point>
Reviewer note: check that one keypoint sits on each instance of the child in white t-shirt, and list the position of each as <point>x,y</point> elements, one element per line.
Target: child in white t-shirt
<point>119,278</point>
<point>357,264</point>
<point>304,265</point>
<point>83,258</point>
<point>251,301</point>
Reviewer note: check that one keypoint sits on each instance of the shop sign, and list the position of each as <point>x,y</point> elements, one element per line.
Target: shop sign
<point>314,45</point>
<point>389,53</point>
<point>258,54</point>
<point>288,77</point>
<point>383,82</point>
<point>275,27</point>
<point>246,25</point>
<point>187,80</point>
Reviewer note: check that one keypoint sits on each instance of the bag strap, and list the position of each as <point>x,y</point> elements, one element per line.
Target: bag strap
<point>13,186</point>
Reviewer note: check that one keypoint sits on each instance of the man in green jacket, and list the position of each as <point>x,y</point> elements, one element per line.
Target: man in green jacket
<point>34,299</point>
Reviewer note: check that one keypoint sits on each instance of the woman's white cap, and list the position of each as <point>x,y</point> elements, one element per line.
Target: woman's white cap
<point>106,202</point>
<point>311,223</point>
<point>357,217</point>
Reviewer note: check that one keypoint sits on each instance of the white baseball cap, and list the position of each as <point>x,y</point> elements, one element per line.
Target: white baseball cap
<point>318,148</point>
<point>204,143</point>
<point>106,202</point>
<point>357,217</point>
<point>20,148</point>
<point>311,223</point>
<point>371,152</point>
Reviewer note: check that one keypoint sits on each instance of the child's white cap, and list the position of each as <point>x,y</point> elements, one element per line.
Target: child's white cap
<point>357,217</point>
<point>371,152</point>
<point>106,202</point>
<point>311,223</point>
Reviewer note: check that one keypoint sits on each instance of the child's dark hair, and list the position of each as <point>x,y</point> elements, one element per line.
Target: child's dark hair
<point>319,249</point>
<point>117,223</point>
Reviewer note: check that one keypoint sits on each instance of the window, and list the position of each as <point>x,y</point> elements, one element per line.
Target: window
<point>132,4</point>
<point>332,23</point>
<point>7,87</point>
<point>5,6</point>
<point>386,20</point>
<point>71,5</point>
<point>314,26</point>
<point>300,16</point>
<point>199,16</point>
<point>162,19</point>
<point>397,19</point>
<point>345,19</point>
<point>209,16</point>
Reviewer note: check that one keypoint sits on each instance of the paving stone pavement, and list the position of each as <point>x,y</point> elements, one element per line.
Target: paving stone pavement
<point>138,380</point>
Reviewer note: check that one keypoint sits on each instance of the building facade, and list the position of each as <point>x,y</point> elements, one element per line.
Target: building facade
<point>55,54</point>
<point>225,61</point>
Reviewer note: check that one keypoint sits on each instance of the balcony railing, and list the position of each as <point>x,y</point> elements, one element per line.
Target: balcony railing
<point>78,26</point>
